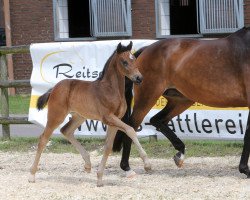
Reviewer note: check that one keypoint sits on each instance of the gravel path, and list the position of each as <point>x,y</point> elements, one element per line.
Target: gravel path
<point>61,176</point>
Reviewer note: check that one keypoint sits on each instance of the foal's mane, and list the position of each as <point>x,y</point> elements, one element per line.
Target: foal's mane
<point>120,49</point>
<point>106,66</point>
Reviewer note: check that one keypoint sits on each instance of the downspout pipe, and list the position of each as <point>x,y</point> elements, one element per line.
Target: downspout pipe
<point>6,9</point>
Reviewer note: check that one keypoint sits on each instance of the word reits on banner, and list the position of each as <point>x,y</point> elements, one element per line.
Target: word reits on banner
<point>65,70</point>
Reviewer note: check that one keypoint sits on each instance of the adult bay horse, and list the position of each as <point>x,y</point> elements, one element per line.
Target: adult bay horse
<point>212,72</point>
<point>103,99</point>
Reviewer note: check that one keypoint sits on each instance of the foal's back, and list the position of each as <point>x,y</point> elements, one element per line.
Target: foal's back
<point>76,96</point>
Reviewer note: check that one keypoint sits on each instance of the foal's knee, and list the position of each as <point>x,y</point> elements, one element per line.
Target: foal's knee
<point>130,130</point>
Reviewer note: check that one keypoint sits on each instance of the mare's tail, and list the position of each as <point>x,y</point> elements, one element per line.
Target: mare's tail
<point>120,136</point>
<point>42,100</point>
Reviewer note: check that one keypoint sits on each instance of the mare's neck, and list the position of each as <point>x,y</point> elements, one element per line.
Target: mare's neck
<point>114,78</point>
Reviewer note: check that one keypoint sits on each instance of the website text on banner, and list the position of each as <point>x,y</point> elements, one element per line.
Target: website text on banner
<point>53,62</point>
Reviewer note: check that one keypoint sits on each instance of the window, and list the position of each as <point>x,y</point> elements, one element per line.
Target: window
<point>221,16</point>
<point>180,17</point>
<point>93,18</point>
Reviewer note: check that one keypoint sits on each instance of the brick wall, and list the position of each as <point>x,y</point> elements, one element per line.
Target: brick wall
<point>247,12</point>
<point>143,19</point>
<point>1,14</point>
<point>31,22</point>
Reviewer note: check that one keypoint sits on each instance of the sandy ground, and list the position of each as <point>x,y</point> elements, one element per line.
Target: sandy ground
<point>61,176</point>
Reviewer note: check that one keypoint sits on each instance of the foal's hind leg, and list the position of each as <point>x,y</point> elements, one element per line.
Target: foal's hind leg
<point>68,131</point>
<point>53,122</point>
<point>107,150</point>
<point>174,107</point>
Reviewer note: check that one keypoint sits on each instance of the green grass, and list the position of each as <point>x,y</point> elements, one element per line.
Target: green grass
<point>159,149</point>
<point>196,148</point>
<point>19,104</point>
<point>57,144</point>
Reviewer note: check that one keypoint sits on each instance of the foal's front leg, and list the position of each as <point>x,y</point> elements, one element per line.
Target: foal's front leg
<point>115,121</point>
<point>107,150</point>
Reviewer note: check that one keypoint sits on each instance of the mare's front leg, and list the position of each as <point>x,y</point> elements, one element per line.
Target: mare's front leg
<point>107,150</point>
<point>145,98</point>
<point>243,167</point>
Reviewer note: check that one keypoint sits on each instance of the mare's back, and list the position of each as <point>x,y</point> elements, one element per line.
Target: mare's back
<point>205,71</point>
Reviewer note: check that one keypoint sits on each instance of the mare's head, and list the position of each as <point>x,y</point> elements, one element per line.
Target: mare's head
<point>126,63</point>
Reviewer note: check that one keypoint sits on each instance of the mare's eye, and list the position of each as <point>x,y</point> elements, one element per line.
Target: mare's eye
<point>125,63</point>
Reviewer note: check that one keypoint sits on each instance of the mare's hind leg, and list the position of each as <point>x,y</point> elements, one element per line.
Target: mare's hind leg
<point>176,104</point>
<point>243,167</point>
<point>54,120</point>
<point>68,131</point>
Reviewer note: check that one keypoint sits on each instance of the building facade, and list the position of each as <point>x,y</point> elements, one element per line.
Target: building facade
<point>36,21</point>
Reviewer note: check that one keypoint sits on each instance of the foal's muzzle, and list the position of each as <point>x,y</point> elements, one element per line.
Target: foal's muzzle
<point>137,79</point>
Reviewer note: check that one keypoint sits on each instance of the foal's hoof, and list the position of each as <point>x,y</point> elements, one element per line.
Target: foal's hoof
<point>179,159</point>
<point>99,184</point>
<point>147,167</point>
<point>87,169</point>
<point>32,178</point>
<point>130,174</point>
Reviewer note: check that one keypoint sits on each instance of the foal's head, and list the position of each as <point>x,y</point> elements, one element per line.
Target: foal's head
<point>126,63</point>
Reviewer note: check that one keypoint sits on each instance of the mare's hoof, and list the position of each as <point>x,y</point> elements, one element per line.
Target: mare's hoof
<point>245,170</point>
<point>32,178</point>
<point>130,174</point>
<point>179,159</point>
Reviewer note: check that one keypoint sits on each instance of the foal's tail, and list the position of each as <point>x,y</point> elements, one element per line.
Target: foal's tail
<point>42,100</point>
<point>120,136</point>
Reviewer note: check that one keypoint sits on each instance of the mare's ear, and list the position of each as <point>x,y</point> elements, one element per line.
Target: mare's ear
<point>119,48</point>
<point>129,47</point>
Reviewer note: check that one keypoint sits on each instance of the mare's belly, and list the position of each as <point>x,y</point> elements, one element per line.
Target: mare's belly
<point>219,96</point>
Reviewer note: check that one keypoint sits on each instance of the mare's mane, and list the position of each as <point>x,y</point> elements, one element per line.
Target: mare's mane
<point>240,33</point>
<point>138,52</point>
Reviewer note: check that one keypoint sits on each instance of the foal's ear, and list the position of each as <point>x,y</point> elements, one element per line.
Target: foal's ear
<point>119,48</point>
<point>129,47</point>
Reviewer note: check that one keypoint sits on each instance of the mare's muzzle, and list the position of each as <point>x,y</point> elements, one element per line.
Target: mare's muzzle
<point>137,79</point>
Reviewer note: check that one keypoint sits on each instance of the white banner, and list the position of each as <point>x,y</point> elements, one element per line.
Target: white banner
<point>53,62</point>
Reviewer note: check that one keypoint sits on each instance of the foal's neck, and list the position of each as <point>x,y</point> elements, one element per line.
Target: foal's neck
<point>114,78</point>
